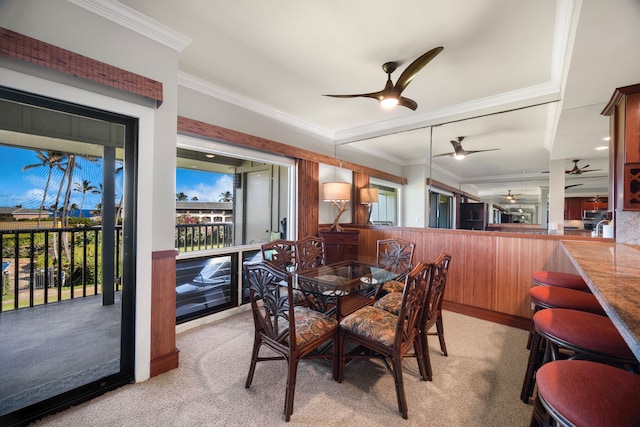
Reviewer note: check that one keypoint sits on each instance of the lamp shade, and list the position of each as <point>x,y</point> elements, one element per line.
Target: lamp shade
<point>369,195</point>
<point>336,191</point>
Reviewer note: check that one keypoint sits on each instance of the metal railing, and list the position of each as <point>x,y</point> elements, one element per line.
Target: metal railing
<point>196,237</point>
<point>45,265</point>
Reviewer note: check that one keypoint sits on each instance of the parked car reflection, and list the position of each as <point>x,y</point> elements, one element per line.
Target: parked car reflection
<point>202,284</point>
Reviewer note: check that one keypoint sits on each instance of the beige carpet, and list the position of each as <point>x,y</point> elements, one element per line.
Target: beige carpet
<point>478,384</point>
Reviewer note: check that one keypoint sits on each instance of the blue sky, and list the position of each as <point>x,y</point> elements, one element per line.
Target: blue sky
<point>18,187</point>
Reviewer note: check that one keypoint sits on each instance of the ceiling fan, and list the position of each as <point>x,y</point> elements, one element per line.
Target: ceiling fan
<point>577,170</point>
<point>511,197</point>
<point>459,152</point>
<point>570,186</point>
<point>391,94</point>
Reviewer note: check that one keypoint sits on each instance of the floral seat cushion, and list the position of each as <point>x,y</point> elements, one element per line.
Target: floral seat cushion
<point>393,286</point>
<point>390,302</point>
<point>310,324</point>
<point>373,323</point>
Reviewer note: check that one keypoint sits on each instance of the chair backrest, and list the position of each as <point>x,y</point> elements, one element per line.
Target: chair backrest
<point>271,296</point>
<point>311,253</point>
<point>435,293</point>
<point>413,298</point>
<point>395,254</point>
<point>281,253</point>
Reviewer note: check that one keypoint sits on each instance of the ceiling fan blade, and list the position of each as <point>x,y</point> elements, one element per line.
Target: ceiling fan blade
<point>480,151</point>
<point>374,95</point>
<point>409,103</point>
<point>572,185</point>
<point>410,72</point>
<point>444,155</point>
<point>589,170</point>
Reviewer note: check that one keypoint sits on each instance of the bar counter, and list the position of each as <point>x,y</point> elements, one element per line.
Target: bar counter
<point>612,271</point>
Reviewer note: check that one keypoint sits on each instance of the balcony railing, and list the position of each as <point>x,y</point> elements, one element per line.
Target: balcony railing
<point>44,265</point>
<point>196,237</point>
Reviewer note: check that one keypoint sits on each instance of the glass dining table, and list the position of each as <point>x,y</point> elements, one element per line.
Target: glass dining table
<point>341,288</point>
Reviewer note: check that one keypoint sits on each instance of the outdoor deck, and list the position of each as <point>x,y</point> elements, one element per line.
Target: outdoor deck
<point>52,348</point>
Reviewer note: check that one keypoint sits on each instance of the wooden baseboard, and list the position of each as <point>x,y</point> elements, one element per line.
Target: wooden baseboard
<point>165,363</point>
<point>491,316</point>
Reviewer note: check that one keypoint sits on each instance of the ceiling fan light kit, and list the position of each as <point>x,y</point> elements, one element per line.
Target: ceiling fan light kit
<point>391,95</point>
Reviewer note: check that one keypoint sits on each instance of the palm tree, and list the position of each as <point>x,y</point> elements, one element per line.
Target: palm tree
<point>50,159</point>
<point>226,196</point>
<point>181,197</point>
<point>85,187</point>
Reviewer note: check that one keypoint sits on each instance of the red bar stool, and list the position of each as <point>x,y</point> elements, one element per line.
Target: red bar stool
<point>560,280</point>
<point>571,334</point>
<point>554,297</point>
<point>584,393</point>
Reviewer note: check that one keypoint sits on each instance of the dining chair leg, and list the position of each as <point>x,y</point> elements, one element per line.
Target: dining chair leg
<point>421,358</point>
<point>341,356</point>
<point>440,329</point>
<point>254,360</point>
<point>402,400</point>
<point>428,374</point>
<point>336,351</point>
<point>291,388</point>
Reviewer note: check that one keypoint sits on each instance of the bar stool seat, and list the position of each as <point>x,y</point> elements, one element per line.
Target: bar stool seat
<point>560,280</point>
<point>553,297</point>
<point>567,334</point>
<point>578,392</point>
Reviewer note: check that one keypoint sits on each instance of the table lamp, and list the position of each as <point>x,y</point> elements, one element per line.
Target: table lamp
<point>338,193</point>
<point>368,196</point>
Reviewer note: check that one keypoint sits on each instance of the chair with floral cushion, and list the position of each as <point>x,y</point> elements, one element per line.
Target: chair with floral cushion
<point>311,253</point>
<point>386,335</point>
<point>292,332</point>
<point>397,256</point>
<point>431,314</point>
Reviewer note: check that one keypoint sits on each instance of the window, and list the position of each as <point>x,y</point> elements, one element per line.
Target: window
<point>385,212</point>
<point>440,210</point>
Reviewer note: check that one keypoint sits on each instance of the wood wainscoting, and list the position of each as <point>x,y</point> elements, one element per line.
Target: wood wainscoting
<point>490,272</point>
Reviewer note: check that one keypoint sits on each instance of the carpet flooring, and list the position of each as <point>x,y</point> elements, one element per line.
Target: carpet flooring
<point>478,384</point>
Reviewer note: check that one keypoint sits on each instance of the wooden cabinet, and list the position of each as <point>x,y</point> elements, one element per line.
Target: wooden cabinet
<point>624,124</point>
<point>595,204</point>
<point>473,216</point>
<point>575,206</point>
<point>340,245</point>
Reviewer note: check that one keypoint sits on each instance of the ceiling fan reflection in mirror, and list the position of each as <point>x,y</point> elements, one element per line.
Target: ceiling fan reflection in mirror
<point>391,95</point>
<point>576,170</point>
<point>460,153</point>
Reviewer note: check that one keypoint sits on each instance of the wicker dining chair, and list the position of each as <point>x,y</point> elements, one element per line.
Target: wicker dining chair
<point>310,252</point>
<point>396,255</point>
<point>292,332</point>
<point>387,335</point>
<point>281,253</point>
<point>431,314</point>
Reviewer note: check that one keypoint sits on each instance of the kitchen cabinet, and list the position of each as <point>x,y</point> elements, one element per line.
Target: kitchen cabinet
<point>573,208</point>
<point>340,245</point>
<point>595,204</point>
<point>624,127</point>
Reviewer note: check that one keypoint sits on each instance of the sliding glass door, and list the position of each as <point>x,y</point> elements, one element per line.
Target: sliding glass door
<point>67,227</point>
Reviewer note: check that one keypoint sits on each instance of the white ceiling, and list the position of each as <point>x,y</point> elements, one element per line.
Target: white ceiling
<point>527,77</point>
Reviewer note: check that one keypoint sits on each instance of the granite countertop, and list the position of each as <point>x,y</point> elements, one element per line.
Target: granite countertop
<point>612,271</point>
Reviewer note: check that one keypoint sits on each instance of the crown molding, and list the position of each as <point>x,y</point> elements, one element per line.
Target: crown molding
<point>207,88</point>
<point>135,21</point>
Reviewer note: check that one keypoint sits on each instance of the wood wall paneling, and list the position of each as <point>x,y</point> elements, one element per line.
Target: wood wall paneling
<point>308,197</point>
<point>490,272</point>
<point>164,354</point>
